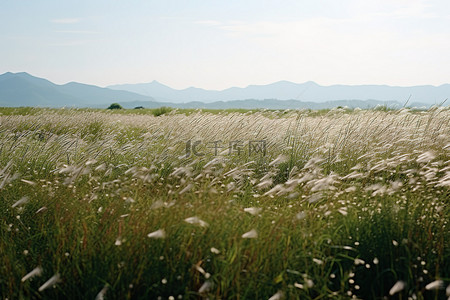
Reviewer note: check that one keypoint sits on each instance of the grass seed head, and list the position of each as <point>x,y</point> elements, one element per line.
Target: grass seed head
<point>196,221</point>
<point>437,284</point>
<point>51,282</point>
<point>158,234</point>
<point>21,201</point>
<point>252,234</point>
<point>397,287</point>
<point>36,272</point>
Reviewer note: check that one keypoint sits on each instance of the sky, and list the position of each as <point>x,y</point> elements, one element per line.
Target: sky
<point>219,44</point>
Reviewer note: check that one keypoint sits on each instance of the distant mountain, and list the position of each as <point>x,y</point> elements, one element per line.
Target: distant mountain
<point>285,90</point>
<point>273,104</point>
<point>289,104</point>
<point>23,89</point>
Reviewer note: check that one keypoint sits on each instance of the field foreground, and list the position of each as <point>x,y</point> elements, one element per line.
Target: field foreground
<point>231,205</point>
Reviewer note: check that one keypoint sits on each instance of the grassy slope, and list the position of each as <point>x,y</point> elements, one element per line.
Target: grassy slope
<point>356,202</point>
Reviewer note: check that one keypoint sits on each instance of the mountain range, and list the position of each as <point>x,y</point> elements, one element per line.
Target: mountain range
<point>23,89</point>
<point>285,90</point>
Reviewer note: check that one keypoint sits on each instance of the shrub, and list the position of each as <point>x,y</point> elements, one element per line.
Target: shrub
<point>115,106</point>
<point>161,110</point>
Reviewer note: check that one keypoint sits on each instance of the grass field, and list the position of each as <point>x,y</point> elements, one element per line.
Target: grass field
<point>294,205</point>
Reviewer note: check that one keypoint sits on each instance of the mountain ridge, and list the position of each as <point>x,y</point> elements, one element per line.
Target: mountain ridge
<point>23,89</point>
<point>286,90</point>
<point>273,104</point>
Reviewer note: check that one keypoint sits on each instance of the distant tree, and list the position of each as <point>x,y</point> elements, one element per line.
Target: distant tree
<point>115,106</point>
<point>139,107</point>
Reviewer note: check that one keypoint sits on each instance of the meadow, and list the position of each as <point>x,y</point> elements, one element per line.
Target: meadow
<point>138,204</point>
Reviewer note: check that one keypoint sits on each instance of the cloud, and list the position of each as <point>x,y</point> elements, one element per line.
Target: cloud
<point>66,20</point>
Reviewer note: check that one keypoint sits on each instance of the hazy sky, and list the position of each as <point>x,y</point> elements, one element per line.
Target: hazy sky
<point>218,44</point>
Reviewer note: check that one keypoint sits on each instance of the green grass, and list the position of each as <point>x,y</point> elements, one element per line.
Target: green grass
<point>97,183</point>
<point>6,111</point>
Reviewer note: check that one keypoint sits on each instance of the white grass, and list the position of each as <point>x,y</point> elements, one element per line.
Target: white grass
<point>252,234</point>
<point>253,210</point>
<point>102,293</point>
<point>316,168</point>
<point>437,284</point>
<point>51,282</point>
<point>21,201</point>
<point>35,272</point>
<point>196,221</point>
<point>158,234</point>
<point>277,296</point>
<point>397,287</point>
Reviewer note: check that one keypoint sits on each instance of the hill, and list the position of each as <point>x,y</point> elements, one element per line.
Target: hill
<point>23,89</point>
